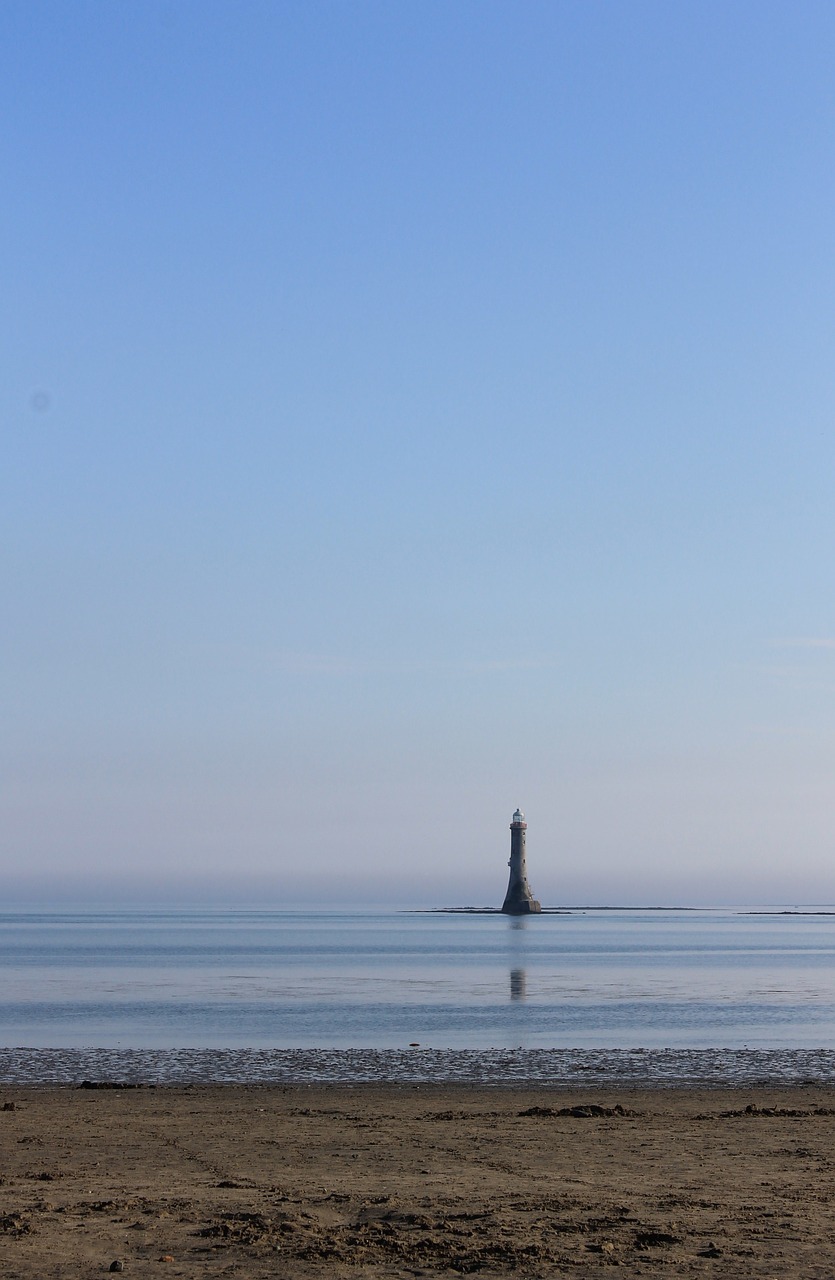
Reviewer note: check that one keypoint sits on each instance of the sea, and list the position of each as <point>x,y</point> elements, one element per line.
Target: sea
<point>589,995</point>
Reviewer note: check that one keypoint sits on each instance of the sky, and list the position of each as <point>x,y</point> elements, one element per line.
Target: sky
<point>412,411</point>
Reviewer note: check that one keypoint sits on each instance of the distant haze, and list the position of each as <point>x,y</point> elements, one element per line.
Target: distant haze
<point>413,412</point>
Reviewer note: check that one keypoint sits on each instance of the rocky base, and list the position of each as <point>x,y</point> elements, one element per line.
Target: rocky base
<point>522,907</point>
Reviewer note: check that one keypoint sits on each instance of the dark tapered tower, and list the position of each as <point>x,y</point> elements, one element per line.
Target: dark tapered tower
<point>519,901</point>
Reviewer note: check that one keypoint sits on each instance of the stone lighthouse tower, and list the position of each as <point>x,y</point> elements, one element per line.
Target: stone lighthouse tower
<point>519,901</point>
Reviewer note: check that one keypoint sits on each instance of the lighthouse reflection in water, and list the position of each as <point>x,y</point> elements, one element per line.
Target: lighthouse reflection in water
<point>518,984</point>
<point>516,945</point>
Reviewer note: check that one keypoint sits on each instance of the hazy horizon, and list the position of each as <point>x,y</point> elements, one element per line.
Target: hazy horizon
<point>189,894</point>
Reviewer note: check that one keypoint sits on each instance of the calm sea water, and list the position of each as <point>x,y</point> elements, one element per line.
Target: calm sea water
<point>361,980</point>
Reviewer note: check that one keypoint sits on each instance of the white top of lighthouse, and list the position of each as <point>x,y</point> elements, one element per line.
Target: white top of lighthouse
<point>518,816</point>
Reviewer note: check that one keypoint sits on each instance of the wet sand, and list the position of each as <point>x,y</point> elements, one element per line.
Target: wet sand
<point>383,1181</point>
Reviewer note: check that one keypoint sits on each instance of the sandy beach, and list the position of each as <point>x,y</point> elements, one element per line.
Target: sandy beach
<point>366,1181</point>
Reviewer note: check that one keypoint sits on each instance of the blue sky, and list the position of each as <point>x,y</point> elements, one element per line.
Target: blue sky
<point>413,411</point>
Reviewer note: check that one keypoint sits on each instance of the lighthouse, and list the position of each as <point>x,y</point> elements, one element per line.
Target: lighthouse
<point>519,901</point>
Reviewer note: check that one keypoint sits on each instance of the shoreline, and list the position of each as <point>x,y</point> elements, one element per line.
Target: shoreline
<point>490,1068</point>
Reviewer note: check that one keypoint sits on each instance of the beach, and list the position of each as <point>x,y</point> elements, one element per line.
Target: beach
<point>411,1180</point>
